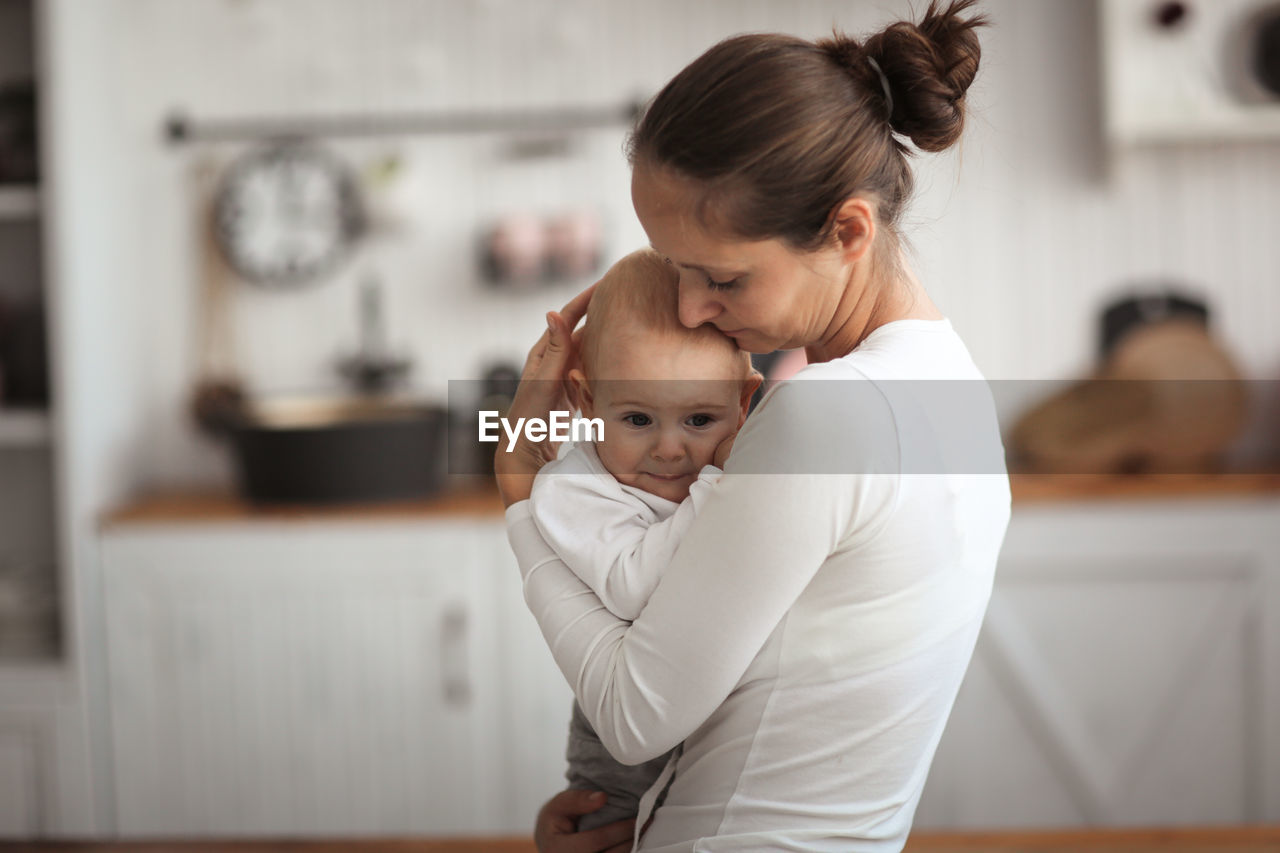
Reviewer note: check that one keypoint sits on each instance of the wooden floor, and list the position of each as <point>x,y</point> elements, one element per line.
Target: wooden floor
<point>1223,840</point>
<point>1227,840</point>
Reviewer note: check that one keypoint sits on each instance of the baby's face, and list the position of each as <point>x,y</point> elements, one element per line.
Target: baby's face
<point>666,405</point>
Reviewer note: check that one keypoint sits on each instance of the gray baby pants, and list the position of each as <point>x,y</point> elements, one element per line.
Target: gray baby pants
<point>591,767</point>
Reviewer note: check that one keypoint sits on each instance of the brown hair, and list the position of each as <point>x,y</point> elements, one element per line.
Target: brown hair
<point>781,131</point>
<point>640,294</point>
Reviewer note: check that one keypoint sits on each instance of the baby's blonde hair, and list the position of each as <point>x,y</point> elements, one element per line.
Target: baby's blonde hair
<point>641,294</point>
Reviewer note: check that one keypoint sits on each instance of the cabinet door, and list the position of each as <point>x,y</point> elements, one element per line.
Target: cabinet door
<point>302,680</point>
<point>20,789</point>
<point>535,716</point>
<point>1127,673</point>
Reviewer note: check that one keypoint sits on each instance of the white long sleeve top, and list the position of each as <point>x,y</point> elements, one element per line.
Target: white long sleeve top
<point>617,539</point>
<point>808,639</point>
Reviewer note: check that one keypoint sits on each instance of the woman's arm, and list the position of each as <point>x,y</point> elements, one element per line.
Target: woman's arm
<point>756,544</point>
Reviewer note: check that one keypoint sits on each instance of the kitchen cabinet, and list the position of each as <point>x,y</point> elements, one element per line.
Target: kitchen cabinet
<point>1179,73</point>
<point>382,677</point>
<point>346,678</point>
<point>1128,671</point>
<point>21,748</point>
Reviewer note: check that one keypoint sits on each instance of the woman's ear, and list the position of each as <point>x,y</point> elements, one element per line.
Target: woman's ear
<point>855,227</point>
<point>579,391</point>
<point>749,389</point>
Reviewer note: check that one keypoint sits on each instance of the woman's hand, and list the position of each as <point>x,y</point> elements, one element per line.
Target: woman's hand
<point>542,390</point>
<point>556,832</point>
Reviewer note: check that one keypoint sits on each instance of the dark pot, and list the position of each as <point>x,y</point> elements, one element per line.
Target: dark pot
<point>325,453</point>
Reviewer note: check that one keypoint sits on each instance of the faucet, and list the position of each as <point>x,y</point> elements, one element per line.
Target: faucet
<point>373,369</point>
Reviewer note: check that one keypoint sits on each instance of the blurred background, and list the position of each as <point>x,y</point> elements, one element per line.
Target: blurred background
<point>249,249</point>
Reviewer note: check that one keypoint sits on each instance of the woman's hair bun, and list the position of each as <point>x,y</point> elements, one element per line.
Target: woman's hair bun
<point>775,131</point>
<point>929,67</point>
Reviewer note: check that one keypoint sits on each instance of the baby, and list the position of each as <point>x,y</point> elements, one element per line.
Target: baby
<point>615,510</point>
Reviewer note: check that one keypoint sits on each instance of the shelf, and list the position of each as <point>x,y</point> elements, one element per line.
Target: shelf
<point>19,202</point>
<point>24,428</point>
<point>1203,128</point>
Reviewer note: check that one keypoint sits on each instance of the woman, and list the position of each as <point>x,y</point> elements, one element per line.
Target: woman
<point>809,637</point>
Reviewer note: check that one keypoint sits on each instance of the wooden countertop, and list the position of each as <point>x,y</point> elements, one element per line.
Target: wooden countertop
<point>1044,488</point>
<point>1255,839</point>
<point>476,497</point>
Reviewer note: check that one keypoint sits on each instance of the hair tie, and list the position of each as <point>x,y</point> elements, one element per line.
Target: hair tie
<point>884,84</point>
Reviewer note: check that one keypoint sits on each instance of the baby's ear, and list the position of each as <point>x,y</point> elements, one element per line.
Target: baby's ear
<point>579,391</point>
<point>749,388</point>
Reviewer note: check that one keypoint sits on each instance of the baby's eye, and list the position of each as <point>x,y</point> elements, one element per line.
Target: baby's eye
<point>700,420</point>
<point>721,285</point>
<point>636,419</point>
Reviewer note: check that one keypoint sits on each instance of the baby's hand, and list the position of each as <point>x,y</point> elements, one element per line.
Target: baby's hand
<point>723,449</point>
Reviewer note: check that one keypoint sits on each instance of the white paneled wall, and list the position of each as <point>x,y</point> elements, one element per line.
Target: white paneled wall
<point>1021,235</point>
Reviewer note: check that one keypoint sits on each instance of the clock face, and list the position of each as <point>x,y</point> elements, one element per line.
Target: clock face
<point>286,214</point>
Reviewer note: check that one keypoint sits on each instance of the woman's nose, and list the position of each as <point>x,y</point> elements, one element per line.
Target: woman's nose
<point>696,305</point>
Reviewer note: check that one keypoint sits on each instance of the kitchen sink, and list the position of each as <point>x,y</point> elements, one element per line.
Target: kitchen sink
<point>339,450</point>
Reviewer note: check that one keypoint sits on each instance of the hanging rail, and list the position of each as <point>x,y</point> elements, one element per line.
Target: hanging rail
<point>181,129</point>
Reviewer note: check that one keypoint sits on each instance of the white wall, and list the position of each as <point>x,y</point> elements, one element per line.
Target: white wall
<point>1020,236</point>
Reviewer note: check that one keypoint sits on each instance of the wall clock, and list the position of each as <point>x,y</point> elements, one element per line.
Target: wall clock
<point>287,213</point>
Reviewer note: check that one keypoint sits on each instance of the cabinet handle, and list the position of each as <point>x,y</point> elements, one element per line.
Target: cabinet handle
<point>455,682</point>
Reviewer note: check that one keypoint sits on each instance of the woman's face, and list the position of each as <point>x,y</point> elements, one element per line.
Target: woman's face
<point>762,293</point>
